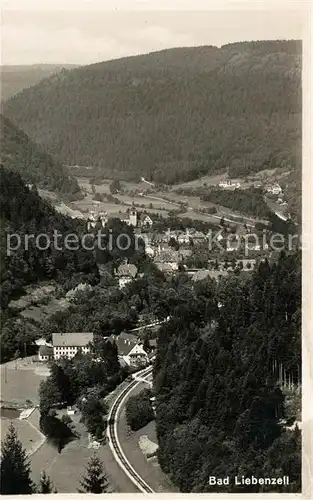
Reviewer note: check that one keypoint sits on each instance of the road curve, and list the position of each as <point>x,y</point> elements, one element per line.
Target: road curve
<point>113,437</point>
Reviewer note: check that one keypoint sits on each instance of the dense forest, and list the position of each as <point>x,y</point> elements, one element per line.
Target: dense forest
<point>247,201</point>
<point>22,155</point>
<point>172,115</point>
<point>24,212</point>
<point>220,407</point>
<point>16,78</point>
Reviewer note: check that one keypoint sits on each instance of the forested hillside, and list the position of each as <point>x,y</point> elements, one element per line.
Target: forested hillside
<point>22,155</point>
<point>220,409</point>
<point>16,78</point>
<point>293,192</point>
<point>172,115</point>
<point>24,213</point>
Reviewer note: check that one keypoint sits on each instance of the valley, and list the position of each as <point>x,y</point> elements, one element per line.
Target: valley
<point>157,341</point>
<point>165,200</point>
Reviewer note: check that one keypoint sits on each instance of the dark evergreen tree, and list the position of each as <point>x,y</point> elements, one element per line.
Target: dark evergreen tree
<point>95,480</point>
<point>146,344</point>
<point>45,485</point>
<point>15,469</point>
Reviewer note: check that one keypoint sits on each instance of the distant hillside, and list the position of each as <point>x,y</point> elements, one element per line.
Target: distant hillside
<point>22,155</point>
<point>173,115</point>
<point>16,78</point>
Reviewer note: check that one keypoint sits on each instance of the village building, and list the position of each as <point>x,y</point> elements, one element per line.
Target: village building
<point>183,238</point>
<point>42,341</point>
<point>145,221</point>
<point>130,350</point>
<point>170,257</point>
<point>158,238</point>
<point>125,274</point>
<point>273,189</point>
<point>229,184</point>
<point>94,217</point>
<point>133,218</point>
<point>149,251</point>
<point>45,353</point>
<point>247,264</point>
<point>196,236</point>
<point>67,345</point>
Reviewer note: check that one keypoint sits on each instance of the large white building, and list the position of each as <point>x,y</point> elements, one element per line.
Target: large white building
<point>66,345</point>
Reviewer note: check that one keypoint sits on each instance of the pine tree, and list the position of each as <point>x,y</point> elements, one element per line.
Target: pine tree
<point>146,344</point>
<point>15,470</point>
<point>95,480</point>
<point>45,485</point>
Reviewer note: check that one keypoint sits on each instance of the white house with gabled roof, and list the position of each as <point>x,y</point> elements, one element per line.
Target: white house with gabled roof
<point>67,345</point>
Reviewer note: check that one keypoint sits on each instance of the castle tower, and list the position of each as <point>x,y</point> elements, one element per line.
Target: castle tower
<point>133,216</point>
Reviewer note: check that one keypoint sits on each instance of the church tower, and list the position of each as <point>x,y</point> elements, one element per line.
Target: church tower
<point>133,216</point>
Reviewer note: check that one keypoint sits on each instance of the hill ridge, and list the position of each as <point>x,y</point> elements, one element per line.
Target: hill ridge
<point>172,115</point>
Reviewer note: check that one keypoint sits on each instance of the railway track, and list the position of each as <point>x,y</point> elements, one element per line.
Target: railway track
<point>113,436</point>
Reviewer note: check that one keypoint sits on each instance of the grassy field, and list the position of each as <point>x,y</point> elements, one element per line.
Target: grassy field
<point>20,381</point>
<point>146,200</point>
<point>88,204</point>
<point>163,201</point>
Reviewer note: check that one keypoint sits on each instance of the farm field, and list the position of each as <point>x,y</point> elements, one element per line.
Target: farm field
<point>146,200</point>
<point>162,201</point>
<point>89,204</point>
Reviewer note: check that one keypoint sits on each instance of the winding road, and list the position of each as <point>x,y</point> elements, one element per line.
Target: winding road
<point>113,435</point>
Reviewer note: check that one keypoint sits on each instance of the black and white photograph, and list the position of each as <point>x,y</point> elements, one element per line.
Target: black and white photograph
<point>151,252</point>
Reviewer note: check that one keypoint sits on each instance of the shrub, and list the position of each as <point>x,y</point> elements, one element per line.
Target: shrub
<point>138,410</point>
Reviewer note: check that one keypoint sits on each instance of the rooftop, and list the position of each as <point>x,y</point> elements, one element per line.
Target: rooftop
<point>79,339</point>
<point>127,270</point>
<point>125,342</point>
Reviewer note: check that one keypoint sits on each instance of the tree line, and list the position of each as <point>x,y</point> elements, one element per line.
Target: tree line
<point>220,409</point>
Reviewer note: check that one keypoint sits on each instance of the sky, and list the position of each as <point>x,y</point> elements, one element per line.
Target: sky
<point>88,31</point>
